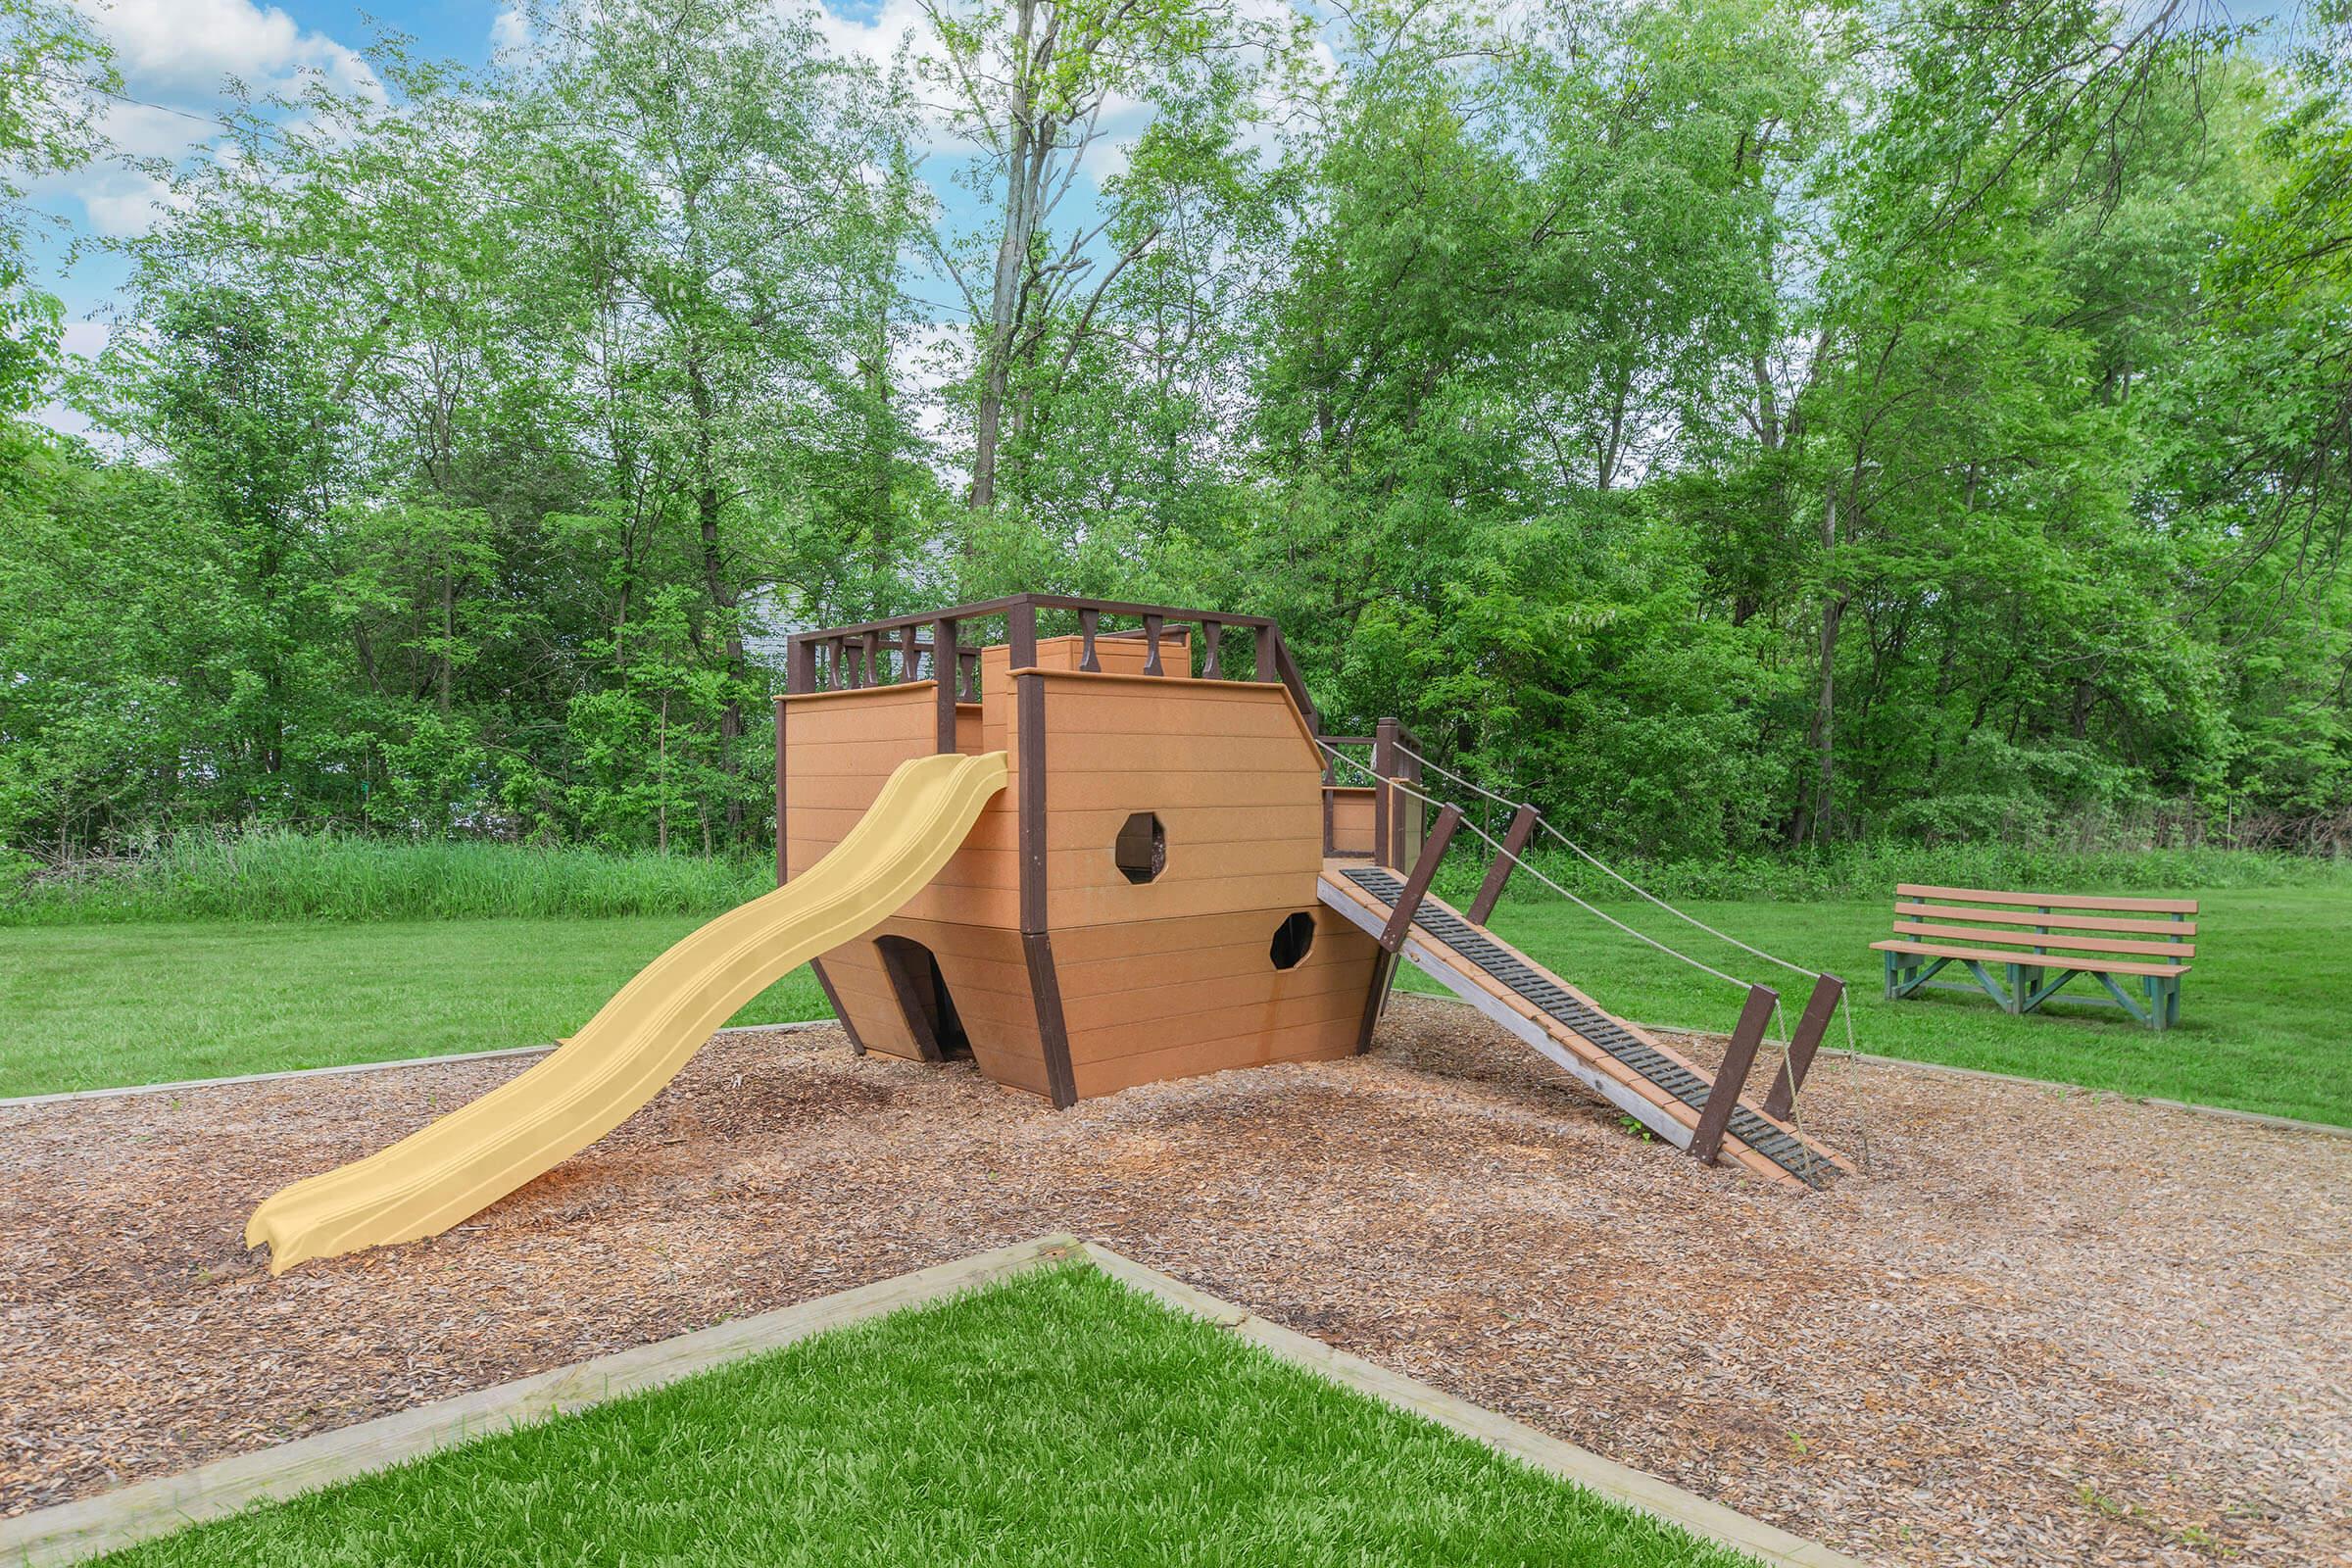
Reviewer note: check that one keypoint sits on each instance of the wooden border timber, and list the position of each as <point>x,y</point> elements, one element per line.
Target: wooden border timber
<point>1827,991</point>
<point>1514,840</point>
<point>70,1532</point>
<point>1738,1059</point>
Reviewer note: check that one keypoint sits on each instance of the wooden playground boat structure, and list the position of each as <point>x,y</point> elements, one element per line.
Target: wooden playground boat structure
<point>1175,882</point>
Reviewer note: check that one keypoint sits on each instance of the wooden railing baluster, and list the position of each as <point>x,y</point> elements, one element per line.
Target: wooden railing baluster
<point>1088,620</point>
<point>1416,885</point>
<point>1815,1022</point>
<point>1514,840</point>
<point>1152,665</point>
<point>1737,1060</point>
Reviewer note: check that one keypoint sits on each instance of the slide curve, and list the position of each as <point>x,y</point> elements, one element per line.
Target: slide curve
<point>471,1158</point>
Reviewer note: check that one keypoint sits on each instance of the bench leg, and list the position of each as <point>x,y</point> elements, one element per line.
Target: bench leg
<point>2172,1001</point>
<point>2124,1000</point>
<point>2160,1001</point>
<point>2016,1002</point>
<point>1892,971</point>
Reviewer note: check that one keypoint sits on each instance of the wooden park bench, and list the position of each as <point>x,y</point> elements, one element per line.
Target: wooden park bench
<point>2127,944</point>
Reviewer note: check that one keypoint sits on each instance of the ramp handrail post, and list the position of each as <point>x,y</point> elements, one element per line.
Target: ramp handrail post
<point>1732,1076</point>
<point>1514,840</point>
<point>1383,762</point>
<point>1416,885</point>
<point>1819,1007</point>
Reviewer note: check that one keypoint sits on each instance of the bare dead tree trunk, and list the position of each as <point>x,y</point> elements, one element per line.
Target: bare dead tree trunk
<point>1026,155</point>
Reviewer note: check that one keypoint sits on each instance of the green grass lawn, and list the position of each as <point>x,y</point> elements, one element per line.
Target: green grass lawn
<point>94,1005</point>
<point>2262,1014</point>
<point>1052,1418</point>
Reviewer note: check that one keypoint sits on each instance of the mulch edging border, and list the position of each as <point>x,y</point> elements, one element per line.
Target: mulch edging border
<point>72,1531</point>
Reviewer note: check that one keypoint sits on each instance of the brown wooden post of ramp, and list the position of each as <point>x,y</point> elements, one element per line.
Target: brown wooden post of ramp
<point>1514,840</point>
<point>1416,885</point>
<point>1732,1076</point>
<point>1827,989</point>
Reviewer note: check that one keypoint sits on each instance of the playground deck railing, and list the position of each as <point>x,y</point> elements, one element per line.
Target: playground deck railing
<point>908,647</point>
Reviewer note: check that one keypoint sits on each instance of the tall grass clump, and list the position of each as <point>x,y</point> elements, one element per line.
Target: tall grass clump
<point>277,874</point>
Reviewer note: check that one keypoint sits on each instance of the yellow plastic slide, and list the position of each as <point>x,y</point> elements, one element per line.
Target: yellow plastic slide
<point>468,1159</point>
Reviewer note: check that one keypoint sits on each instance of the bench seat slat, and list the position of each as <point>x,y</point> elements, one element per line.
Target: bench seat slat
<point>2055,960</point>
<point>2051,900</point>
<point>2056,922</point>
<point>2029,940</point>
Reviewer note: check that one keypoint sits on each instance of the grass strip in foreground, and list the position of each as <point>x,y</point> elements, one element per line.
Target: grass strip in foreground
<point>1053,1417</point>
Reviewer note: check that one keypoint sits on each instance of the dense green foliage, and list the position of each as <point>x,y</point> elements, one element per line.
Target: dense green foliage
<point>277,874</point>
<point>1053,1417</point>
<point>1744,423</point>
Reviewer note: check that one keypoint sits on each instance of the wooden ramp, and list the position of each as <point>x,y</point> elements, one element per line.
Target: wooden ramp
<point>1620,1061</point>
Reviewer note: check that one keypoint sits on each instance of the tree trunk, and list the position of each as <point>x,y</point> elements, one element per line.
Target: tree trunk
<point>724,598</point>
<point>1024,170</point>
<point>1812,817</point>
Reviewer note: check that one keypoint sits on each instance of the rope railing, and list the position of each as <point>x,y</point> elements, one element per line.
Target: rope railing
<point>1779,1020</point>
<point>1538,874</point>
<point>1617,876</point>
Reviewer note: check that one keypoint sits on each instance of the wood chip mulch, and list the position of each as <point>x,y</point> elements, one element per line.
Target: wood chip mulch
<point>2047,1327</point>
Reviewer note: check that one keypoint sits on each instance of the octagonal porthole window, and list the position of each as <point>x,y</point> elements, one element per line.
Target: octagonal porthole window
<point>1142,848</point>
<point>1294,940</point>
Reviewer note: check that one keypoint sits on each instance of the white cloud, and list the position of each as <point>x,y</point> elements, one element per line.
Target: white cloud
<point>119,201</point>
<point>171,47</point>
<point>511,30</point>
<point>895,23</point>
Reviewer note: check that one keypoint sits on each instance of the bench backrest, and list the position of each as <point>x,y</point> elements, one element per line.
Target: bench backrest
<point>2049,926</point>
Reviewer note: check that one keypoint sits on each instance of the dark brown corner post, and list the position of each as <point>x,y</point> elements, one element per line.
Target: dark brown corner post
<point>1268,666</point>
<point>944,675</point>
<point>1522,828</point>
<point>1383,762</point>
<point>1036,944</point>
<point>1416,885</point>
<point>1827,989</point>
<point>1732,1076</point>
